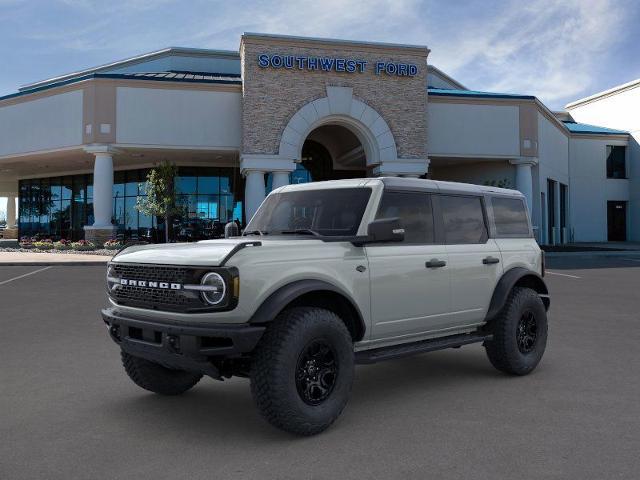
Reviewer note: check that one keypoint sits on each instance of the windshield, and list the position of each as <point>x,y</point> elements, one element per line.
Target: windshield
<point>326,212</point>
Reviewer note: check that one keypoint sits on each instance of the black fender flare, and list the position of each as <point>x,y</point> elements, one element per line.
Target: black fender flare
<point>286,294</point>
<point>510,279</point>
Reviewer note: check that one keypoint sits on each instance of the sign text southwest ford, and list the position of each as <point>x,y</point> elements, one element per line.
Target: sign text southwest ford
<point>333,64</point>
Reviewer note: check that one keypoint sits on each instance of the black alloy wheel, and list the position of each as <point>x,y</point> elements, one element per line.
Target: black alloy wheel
<point>527,332</point>
<point>316,372</point>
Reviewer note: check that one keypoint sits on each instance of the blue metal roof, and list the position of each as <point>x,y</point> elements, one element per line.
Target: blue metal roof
<point>575,127</point>
<point>444,92</point>
<point>188,77</point>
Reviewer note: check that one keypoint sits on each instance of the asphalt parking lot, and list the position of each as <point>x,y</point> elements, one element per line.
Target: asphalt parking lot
<point>68,411</point>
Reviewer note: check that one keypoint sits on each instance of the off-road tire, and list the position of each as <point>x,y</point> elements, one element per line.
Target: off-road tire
<point>504,351</point>
<point>276,363</point>
<point>156,378</point>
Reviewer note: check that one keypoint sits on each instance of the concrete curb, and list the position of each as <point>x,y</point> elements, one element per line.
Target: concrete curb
<point>53,264</point>
<point>595,253</point>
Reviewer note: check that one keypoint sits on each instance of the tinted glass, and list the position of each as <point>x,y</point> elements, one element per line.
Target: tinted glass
<point>463,219</point>
<point>414,211</point>
<point>616,162</point>
<point>510,216</point>
<point>334,212</point>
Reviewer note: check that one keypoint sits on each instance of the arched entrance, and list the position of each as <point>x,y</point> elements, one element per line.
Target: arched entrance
<point>333,152</point>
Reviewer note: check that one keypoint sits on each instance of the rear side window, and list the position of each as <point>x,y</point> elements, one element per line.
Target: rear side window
<point>510,216</point>
<point>463,219</point>
<point>414,211</point>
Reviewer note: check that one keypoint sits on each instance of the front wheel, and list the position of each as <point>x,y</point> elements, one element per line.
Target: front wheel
<point>519,333</point>
<point>302,370</point>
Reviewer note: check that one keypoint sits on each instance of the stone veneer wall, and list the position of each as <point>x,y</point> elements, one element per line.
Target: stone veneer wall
<point>272,96</point>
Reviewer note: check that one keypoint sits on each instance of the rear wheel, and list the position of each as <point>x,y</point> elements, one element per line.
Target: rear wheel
<point>519,333</point>
<point>156,378</point>
<point>302,370</point>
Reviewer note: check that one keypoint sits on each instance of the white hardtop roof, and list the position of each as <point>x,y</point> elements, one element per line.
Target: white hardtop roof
<point>418,183</point>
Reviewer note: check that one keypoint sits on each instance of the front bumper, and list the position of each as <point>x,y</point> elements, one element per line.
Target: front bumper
<point>184,347</point>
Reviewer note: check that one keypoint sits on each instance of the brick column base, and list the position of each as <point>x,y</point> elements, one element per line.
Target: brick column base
<point>9,233</point>
<point>98,236</point>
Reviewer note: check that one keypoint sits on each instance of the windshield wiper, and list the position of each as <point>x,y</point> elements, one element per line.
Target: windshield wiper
<point>255,232</point>
<point>300,231</point>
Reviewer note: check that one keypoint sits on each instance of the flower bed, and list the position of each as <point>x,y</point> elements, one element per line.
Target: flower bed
<point>83,245</point>
<point>113,245</point>
<point>46,245</point>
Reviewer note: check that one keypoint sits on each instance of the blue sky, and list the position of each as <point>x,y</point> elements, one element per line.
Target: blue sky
<point>557,50</point>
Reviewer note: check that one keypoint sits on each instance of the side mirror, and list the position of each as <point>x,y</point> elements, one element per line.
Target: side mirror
<point>385,230</point>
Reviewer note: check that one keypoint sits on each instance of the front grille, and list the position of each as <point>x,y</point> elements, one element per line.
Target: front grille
<point>156,273</point>
<point>157,298</point>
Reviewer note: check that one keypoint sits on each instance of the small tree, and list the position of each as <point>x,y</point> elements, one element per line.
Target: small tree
<point>160,200</point>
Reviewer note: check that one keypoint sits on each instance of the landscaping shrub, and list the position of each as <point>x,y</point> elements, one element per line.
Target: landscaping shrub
<point>83,245</point>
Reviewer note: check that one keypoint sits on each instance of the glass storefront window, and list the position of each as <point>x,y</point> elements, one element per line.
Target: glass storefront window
<point>59,207</point>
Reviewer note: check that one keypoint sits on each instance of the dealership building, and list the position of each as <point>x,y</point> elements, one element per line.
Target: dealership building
<point>75,149</point>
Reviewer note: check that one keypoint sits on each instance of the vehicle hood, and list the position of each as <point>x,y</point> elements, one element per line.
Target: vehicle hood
<point>205,253</point>
<point>209,253</point>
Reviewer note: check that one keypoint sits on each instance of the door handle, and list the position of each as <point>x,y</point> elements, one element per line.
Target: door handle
<point>490,260</point>
<point>435,263</point>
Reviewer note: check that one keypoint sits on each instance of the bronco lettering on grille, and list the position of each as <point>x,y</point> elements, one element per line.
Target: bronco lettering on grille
<point>149,284</point>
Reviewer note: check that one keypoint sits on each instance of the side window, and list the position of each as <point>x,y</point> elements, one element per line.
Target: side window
<point>463,219</point>
<point>510,216</point>
<point>414,211</point>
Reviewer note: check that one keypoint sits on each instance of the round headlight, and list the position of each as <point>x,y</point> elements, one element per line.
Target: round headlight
<point>214,288</point>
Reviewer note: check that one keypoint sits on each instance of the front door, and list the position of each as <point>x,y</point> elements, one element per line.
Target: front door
<point>410,284</point>
<point>617,221</point>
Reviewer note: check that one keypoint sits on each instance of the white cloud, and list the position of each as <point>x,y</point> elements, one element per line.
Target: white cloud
<point>547,48</point>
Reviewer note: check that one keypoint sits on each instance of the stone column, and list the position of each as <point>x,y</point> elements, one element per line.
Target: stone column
<point>280,179</point>
<point>524,179</point>
<point>102,228</point>
<point>11,211</point>
<point>254,192</point>
<point>253,166</point>
<point>11,232</point>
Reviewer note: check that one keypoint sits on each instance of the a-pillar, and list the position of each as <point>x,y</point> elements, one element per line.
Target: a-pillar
<point>102,228</point>
<point>524,178</point>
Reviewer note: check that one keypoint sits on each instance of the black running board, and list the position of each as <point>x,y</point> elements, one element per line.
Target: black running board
<point>407,349</point>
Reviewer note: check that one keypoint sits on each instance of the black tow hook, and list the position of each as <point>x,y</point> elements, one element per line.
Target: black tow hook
<point>174,343</point>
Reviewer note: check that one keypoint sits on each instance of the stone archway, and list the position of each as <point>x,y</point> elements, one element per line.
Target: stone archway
<point>339,107</point>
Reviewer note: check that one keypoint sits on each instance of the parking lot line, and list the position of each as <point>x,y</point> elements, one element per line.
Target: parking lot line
<point>25,275</point>
<point>562,274</point>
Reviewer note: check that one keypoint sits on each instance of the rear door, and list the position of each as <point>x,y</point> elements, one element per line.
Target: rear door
<point>410,291</point>
<point>475,263</point>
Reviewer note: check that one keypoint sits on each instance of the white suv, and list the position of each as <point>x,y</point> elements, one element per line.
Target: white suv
<point>328,275</point>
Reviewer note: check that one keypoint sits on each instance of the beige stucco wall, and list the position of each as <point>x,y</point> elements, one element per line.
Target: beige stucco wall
<point>178,117</point>
<point>473,129</point>
<point>272,96</point>
<point>45,123</point>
